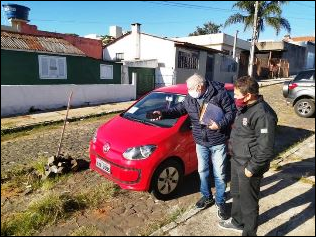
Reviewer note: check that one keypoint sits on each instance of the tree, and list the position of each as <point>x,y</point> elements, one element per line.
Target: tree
<point>106,39</point>
<point>208,28</point>
<point>269,14</point>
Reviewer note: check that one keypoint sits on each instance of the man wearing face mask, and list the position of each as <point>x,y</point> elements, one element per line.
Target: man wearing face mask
<point>252,146</point>
<point>210,139</point>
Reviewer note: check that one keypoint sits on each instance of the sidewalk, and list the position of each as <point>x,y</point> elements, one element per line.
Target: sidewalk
<point>287,204</point>
<point>22,122</point>
<point>269,82</point>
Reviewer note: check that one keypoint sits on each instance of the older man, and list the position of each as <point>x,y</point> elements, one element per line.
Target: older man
<point>210,139</point>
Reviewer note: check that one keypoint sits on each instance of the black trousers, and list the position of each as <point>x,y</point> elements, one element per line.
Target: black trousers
<point>245,193</point>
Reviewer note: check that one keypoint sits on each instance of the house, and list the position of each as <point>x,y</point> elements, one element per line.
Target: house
<point>18,17</point>
<point>309,43</point>
<point>224,43</point>
<point>38,72</point>
<point>153,61</point>
<point>283,58</point>
<point>219,41</point>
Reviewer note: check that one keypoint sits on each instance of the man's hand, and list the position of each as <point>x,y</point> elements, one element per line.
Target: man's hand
<point>156,115</point>
<point>213,125</point>
<point>248,173</point>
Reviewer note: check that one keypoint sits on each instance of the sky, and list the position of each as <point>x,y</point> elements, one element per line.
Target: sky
<point>160,18</point>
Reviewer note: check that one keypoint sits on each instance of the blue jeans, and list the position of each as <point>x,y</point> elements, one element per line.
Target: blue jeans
<point>218,155</point>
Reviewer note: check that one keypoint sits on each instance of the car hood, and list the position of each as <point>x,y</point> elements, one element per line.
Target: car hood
<point>122,133</point>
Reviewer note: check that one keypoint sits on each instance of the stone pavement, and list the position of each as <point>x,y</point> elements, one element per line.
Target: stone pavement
<point>28,121</point>
<point>287,204</point>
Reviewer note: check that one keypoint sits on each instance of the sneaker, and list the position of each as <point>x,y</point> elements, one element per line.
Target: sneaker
<point>204,203</point>
<point>228,225</point>
<point>222,212</point>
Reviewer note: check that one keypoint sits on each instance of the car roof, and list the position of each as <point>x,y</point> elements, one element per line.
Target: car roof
<point>182,88</point>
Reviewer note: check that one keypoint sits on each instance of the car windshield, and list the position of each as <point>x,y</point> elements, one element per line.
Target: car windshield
<point>151,102</point>
<point>305,76</point>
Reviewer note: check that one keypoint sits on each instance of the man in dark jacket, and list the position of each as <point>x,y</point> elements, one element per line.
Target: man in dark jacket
<point>252,146</point>
<point>210,139</point>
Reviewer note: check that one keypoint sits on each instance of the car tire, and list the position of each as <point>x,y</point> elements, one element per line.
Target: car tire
<point>167,179</point>
<point>305,108</point>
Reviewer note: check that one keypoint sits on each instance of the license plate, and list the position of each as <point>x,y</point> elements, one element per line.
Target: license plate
<point>103,165</point>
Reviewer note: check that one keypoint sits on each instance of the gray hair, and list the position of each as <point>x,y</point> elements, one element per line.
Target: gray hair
<point>195,80</point>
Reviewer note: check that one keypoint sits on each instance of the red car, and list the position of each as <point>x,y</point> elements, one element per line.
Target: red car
<point>144,155</point>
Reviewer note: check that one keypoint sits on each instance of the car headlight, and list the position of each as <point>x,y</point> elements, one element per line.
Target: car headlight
<point>138,153</point>
<point>94,138</point>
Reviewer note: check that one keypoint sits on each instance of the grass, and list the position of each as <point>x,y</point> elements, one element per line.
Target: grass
<point>53,207</point>
<point>29,131</point>
<point>275,167</point>
<point>86,231</point>
<point>306,181</point>
<point>22,178</point>
<point>17,179</point>
<point>152,227</point>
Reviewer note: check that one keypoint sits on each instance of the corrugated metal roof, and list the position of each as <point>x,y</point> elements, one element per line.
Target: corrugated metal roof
<point>25,42</point>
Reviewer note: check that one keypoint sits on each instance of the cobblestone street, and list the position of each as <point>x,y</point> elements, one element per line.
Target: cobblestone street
<point>128,213</point>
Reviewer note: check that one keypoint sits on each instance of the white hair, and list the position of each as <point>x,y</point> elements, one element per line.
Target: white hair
<point>195,80</point>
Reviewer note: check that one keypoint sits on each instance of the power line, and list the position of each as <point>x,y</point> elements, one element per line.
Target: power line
<point>183,5</point>
<point>191,6</point>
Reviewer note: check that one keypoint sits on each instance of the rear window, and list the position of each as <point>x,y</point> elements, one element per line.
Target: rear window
<point>305,76</point>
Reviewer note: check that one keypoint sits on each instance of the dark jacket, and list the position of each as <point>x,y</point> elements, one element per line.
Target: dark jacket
<point>252,136</point>
<point>216,94</point>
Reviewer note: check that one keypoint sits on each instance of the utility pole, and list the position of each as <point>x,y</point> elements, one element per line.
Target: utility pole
<point>234,48</point>
<point>254,40</point>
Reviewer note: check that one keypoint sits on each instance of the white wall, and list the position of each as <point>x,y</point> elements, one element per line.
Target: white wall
<point>213,40</point>
<point>220,41</point>
<point>19,99</point>
<point>165,76</point>
<point>150,48</point>
<point>222,76</point>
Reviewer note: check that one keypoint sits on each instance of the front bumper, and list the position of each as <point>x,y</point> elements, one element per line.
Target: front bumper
<point>133,175</point>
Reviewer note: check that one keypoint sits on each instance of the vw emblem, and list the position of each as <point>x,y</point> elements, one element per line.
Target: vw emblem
<point>106,147</point>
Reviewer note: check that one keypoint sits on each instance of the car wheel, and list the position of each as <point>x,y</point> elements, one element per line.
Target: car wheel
<point>167,179</point>
<point>304,108</point>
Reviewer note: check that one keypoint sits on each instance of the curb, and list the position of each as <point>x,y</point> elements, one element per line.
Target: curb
<point>181,219</point>
<point>30,126</point>
<point>306,142</point>
<point>270,84</point>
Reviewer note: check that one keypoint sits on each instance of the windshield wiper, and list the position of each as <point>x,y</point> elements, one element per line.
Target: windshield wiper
<point>140,120</point>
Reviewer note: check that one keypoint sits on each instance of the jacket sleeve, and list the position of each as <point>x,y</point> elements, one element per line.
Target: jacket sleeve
<point>175,112</point>
<point>229,108</point>
<point>265,127</point>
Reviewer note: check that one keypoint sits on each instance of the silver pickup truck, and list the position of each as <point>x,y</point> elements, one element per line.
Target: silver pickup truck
<point>300,93</point>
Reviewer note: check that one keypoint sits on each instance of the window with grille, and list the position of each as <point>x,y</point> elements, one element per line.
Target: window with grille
<point>188,60</point>
<point>52,67</point>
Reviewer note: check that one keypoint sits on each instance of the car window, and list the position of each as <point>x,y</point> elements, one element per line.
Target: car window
<point>305,76</point>
<point>151,102</point>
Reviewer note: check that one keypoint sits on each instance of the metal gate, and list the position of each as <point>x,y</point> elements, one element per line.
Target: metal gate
<point>145,79</point>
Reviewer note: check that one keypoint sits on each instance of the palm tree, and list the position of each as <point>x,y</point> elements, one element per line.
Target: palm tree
<point>269,14</point>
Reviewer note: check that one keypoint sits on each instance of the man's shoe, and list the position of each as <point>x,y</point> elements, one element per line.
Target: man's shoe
<point>222,212</point>
<point>228,225</point>
<point>204,203</point>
